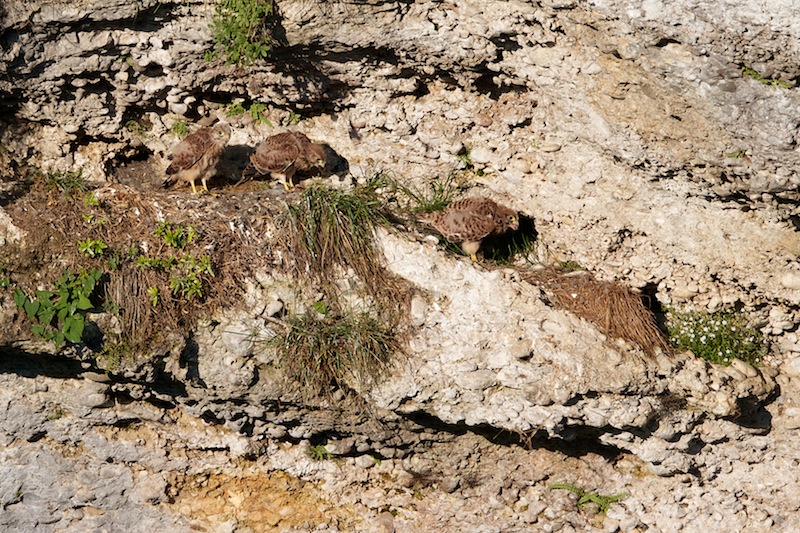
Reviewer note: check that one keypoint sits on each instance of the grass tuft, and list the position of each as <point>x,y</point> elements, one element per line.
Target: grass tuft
<point>331,231</point>
<point>347,352</point>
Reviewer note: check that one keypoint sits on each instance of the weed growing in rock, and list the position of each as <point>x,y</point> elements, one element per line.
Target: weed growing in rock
<point>329,231</point>
<point>242,32</point>
<point>716,337</point>
<point>175,235</point>
<point>180,128</point>
<point>69,183</point>
<point>58,314</point>
<point>319,453</point>
<point>92,247</point>
<point>346,352</point>
<point>438,195</point>
<point>257,110</point>
<point>189,276</point>
<point>772,82</point>
<point>602,502</point>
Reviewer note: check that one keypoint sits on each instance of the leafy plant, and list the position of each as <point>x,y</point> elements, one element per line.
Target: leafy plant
<point>137,127</point>
<point>152,292</point>
<point>180,128</point>
<point>738,154</point>
<point>175,235</point>
<point>242,30</point>
<point>319,453</point>
<point>716,337</point>
<point>156,263</point>
<point>59,314</point>
<point>603,503</point>
<point>257,111</point>
<point>92,247</point>
<point>293,118</point>
<point>90,200</point>
<point>191,272</point>
<point>55,415</point>
<point>235,109</point>
<point>71,182</point>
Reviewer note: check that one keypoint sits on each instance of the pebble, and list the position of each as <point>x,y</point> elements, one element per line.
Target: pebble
<point>364,461</point>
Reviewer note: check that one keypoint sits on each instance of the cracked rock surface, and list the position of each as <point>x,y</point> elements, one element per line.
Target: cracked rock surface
<point>655,145</point>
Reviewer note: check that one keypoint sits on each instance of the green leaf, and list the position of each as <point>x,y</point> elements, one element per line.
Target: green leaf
<point>19,297</point>
<point>38,330</point>
<point>46,317</point>
<point>84,303</point>
<point>44,295</point>
<point>58,339</point>
<point>73,328</point>
<point>62,313</point>
<point>31,307</point>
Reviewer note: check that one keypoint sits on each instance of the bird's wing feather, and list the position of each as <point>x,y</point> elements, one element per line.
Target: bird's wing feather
<point>276,153</point>
<point>190,150</point>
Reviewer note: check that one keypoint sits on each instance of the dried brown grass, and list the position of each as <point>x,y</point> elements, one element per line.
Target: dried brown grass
<point>614,309</point>
<point>234,235</point>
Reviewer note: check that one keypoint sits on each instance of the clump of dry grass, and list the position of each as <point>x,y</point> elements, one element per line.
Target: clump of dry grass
<point>330,234</point>
<point>157,280</point>
<point>615,310</point>
<point>347,352</point>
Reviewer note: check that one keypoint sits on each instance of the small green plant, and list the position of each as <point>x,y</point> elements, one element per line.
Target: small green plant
<point>772,82</point>
<point>439,194</point>
<point>603,503</point>
<point>70,183</point>
<point>242,30</point>
<point>55,415</point>
<point>5,282</point>
<point>738,154</point>
<point>90,200</point>
<point>113,354</point>
<point>258,112</point>
<point>188,281</point>
<point>465,158</point>
<point>175,235</point>
<point>319,453</point>
<point>92,247</point>
<point>136,127</point>
<point>570,266</point>
<point>152,292</point>
<point>716,337</point>
<point>59,314</point>
<point>235,109</point>
<point>156,263</point>
<point>292,118</point>
<point>180,128</point>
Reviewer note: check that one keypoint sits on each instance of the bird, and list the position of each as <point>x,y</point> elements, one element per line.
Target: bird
<point>284,154</point>
<point>470,220</point>
<point>196,156</point>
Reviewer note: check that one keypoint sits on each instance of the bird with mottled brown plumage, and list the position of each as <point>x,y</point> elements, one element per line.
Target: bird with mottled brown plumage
<point>196,156</point>
<point>284,154</point>
<point>470,220</point>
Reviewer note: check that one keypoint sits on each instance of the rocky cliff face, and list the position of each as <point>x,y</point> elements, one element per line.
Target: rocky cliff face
<point>653,145</point>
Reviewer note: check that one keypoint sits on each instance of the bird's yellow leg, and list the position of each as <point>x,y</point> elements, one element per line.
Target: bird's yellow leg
<point>194,190</point>
<point>474,258</point>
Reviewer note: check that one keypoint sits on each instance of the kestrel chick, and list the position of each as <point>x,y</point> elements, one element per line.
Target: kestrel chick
<point>284,154</point>
<point>470,220</point>
<point>196,156</point>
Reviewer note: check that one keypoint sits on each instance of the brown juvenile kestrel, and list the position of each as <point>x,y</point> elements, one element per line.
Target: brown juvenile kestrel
<point>470,220</point>
<point>197,155</point>
<point>284,154</point>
